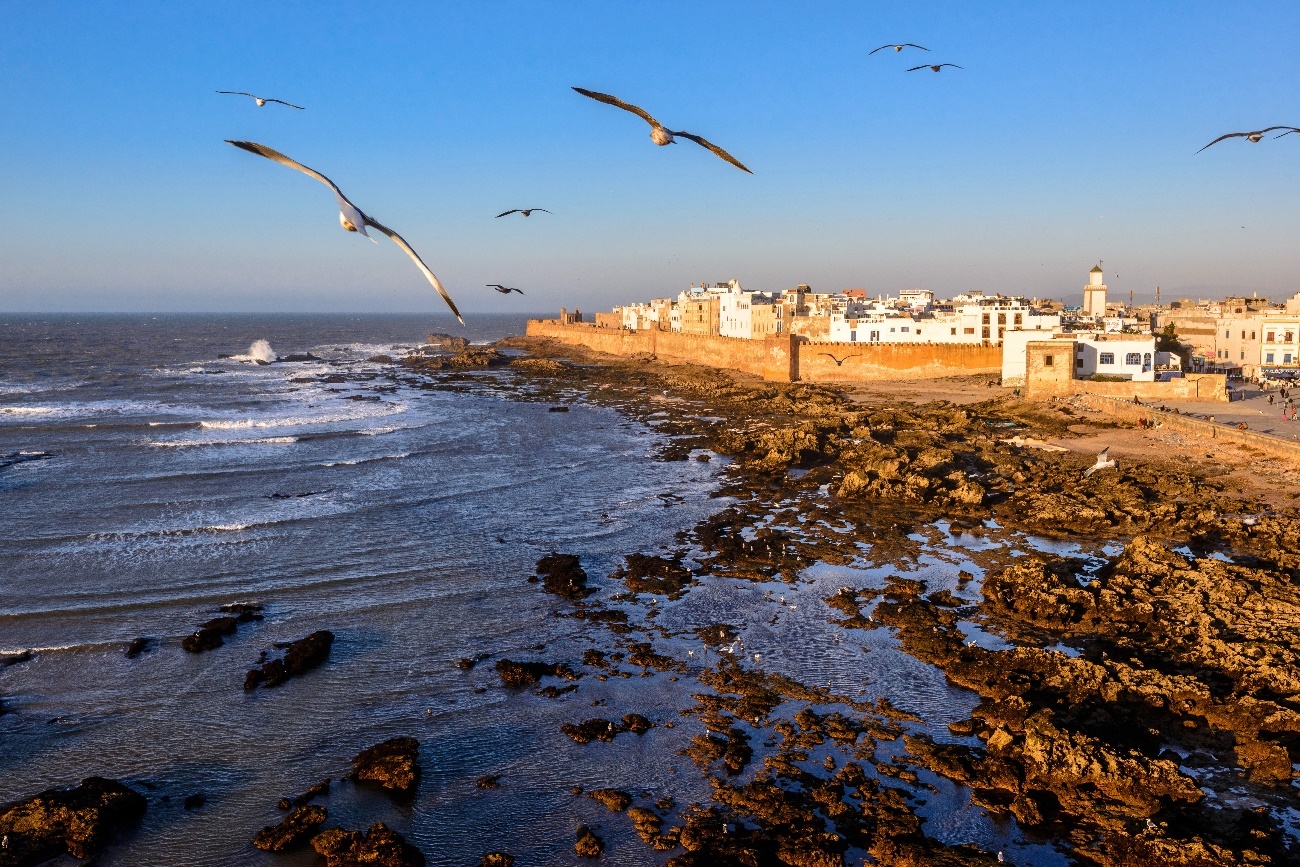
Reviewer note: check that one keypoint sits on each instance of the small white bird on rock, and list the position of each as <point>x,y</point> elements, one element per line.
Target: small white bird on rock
<point>1104,462</point>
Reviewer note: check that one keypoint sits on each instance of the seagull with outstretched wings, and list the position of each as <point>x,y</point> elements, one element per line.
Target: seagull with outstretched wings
<point>1254,136</point>
<point>898,47</point>
<point>350,216</point>
<point>527,212</point>
<point>935,67</point>
<point>839,362</point>
<point>261,100</point>
<point>504,290</point>
<point>1104,462</point>
<point>659,133</point>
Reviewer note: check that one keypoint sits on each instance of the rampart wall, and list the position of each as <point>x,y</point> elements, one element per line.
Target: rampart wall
<point>868,361</point>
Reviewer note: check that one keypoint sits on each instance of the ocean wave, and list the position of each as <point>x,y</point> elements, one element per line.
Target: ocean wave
<point>172,444</point>
<point>360,413</point>
<point>355,461</point>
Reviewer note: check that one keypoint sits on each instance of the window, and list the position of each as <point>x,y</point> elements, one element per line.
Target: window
<point>1243,356</point>
<point>965,331</point>
<point>1268,358</point>
<point>1019,319</point>
<point>954,331</point>
<point>1290,337</point>
<point>985,320</point>
<point>1243,335</point>
<point>1226,335</point>
<point>985,330</point>
<point>853,337</point>
<point>904,329</point>
<point>1002,319</point>
<point>1270,338</point>
<point>1047,360</point>
<point>891,331</point>
<point>1252,335</point>
<point>1078,362</point>
<point>1286,358</point>
<point>1106,358</point>
<point>1133,358</point>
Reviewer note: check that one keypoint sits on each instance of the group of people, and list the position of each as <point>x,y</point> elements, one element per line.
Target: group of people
<point>1288,404</point>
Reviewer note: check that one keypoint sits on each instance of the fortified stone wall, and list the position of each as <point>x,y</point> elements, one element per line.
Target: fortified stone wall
<point>887,361</point>
<point>782,357</point>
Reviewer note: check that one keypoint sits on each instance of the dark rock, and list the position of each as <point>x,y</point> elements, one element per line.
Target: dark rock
<point>588,844</point>
<point>643,573</point>
<point>489,781</point>
<point>606,730</point>
<point>558,409</point>
<point>79,821</point>
<point>381,358</point>
<point>139,646</point>
<point>467,663</point>
<point>497,859</point>
<point>306,797</point>
<point>298,356</point>
<point>393,764</point>
<point>209,635</point>
<point>193,802</point>
<point>563,575</point>
<point>447,341</point>
<point>378,847</point>
<point>15,658</point>
<point>520,674</point>
<point>300,656</point>
<point>294,829</point>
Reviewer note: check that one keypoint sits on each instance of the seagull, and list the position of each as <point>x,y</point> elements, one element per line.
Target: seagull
<point>261,100</point>
<point>934,67</point>
<point>352,218</point>
<point>527,212</point>
<point>1104,462</point>
<point>839,362</point>
<point>898,47</point>
<point>1253,137</point>
<point>502,289</point>
<point>660,134</point>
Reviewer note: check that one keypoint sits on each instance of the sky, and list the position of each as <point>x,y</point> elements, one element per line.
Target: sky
<point>1069,137</point>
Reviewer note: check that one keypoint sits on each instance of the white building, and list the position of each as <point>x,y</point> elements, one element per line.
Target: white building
<point>975,318</point>
<point>1128,356</point>
<point>1094,294</point>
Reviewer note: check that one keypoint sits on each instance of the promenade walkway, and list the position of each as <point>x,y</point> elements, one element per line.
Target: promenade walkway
<point>1249,406</point>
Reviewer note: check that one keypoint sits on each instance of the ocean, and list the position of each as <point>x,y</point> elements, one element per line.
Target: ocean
<point>404,519</point>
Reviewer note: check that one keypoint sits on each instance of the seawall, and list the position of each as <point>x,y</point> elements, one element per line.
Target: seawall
<point>782,357</point>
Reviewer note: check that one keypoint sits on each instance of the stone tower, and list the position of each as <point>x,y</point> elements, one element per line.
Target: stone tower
<point>1094,294</point>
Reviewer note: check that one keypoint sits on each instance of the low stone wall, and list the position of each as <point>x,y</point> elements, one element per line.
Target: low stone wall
<point>1193,386</point>
<point>783,357</point>
<point>889,361</point>
<point>1287,450</point>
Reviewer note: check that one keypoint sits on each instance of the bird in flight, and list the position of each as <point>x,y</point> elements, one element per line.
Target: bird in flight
<point>503,289</point>
<point>935,67</point>
<point>527,212</point>
<point>261,100</point>
<point>898,47</point>
<point>350,216</point>
<point>839,362</point>
<point>1253,137</point>
<point>1104,462</point>
<point>660,134</point>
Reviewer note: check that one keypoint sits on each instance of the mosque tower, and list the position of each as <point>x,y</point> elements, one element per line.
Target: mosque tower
<point>1094,294</point>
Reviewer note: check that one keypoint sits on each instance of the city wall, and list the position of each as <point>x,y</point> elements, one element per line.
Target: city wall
<point>782,357</point>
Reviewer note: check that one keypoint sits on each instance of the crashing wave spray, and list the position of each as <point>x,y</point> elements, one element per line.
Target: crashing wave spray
<point>261,351</point>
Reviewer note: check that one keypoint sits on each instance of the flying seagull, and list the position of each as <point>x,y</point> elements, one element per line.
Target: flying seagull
<point>935,67</point>
<point>503,289</point>
<point>839,362</point>
<point>352,217</point>
<point>1252,137</point>
<point>659,133</point>
<point>898,47</point>
<point>1104,462</point>
<point>527,212</point>
<point>261,100</point>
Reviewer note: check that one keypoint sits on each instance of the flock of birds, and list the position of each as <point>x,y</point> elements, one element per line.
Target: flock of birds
<point>353,219</point>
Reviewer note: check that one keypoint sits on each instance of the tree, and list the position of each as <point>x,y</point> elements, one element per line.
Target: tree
<point>1167,339</point>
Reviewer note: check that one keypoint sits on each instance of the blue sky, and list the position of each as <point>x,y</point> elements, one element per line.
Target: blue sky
<point>1069,136</point>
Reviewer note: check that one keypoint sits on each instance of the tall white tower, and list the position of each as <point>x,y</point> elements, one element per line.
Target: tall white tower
<point>1094,294</point>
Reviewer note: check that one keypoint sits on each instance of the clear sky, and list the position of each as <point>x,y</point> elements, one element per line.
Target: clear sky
<point>1070,136</point>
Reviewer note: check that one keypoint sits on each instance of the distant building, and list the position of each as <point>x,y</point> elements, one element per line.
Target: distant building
<point>1094,294</point>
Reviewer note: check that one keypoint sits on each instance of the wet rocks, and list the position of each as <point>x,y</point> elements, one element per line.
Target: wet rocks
<point>606,730</point>
<point>139,646</point>
<point>497,859</point>
<point>563,575</point>
<point>294,829</point>
<point>306,797</point>
<point>80,821</point>
<point>557,409</point>
<point>643,573</point>
<point>537,365</point>
<point>299,657</point>
<point>193,802</point>
<point>489,781</point>
<point>588,844</point>
<point>614,799</point>
<point>379,846</point>
<point>717,634</point>
<point>446,341</point>
<point>393,764</point>
<point>731,747</point>
<point>518,675</point>
<point>209,635</point>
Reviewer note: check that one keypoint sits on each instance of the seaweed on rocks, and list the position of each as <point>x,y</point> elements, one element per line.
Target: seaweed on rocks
<point>80,820</point>
<point>517,675</point>
<point>563,575</point>
<point>643,573</point>
<point>393,765</point>
<point>606,730</point>
<point>293,830</point>
<point>379,846</point>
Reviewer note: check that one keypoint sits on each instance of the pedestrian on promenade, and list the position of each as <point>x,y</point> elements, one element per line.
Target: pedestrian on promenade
<point>1270,400</point>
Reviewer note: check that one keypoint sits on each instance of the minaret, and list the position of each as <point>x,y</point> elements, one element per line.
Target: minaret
<point>1094,294</point>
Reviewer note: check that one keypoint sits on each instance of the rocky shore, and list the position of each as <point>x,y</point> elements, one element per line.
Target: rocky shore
<point>1141,707</point>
